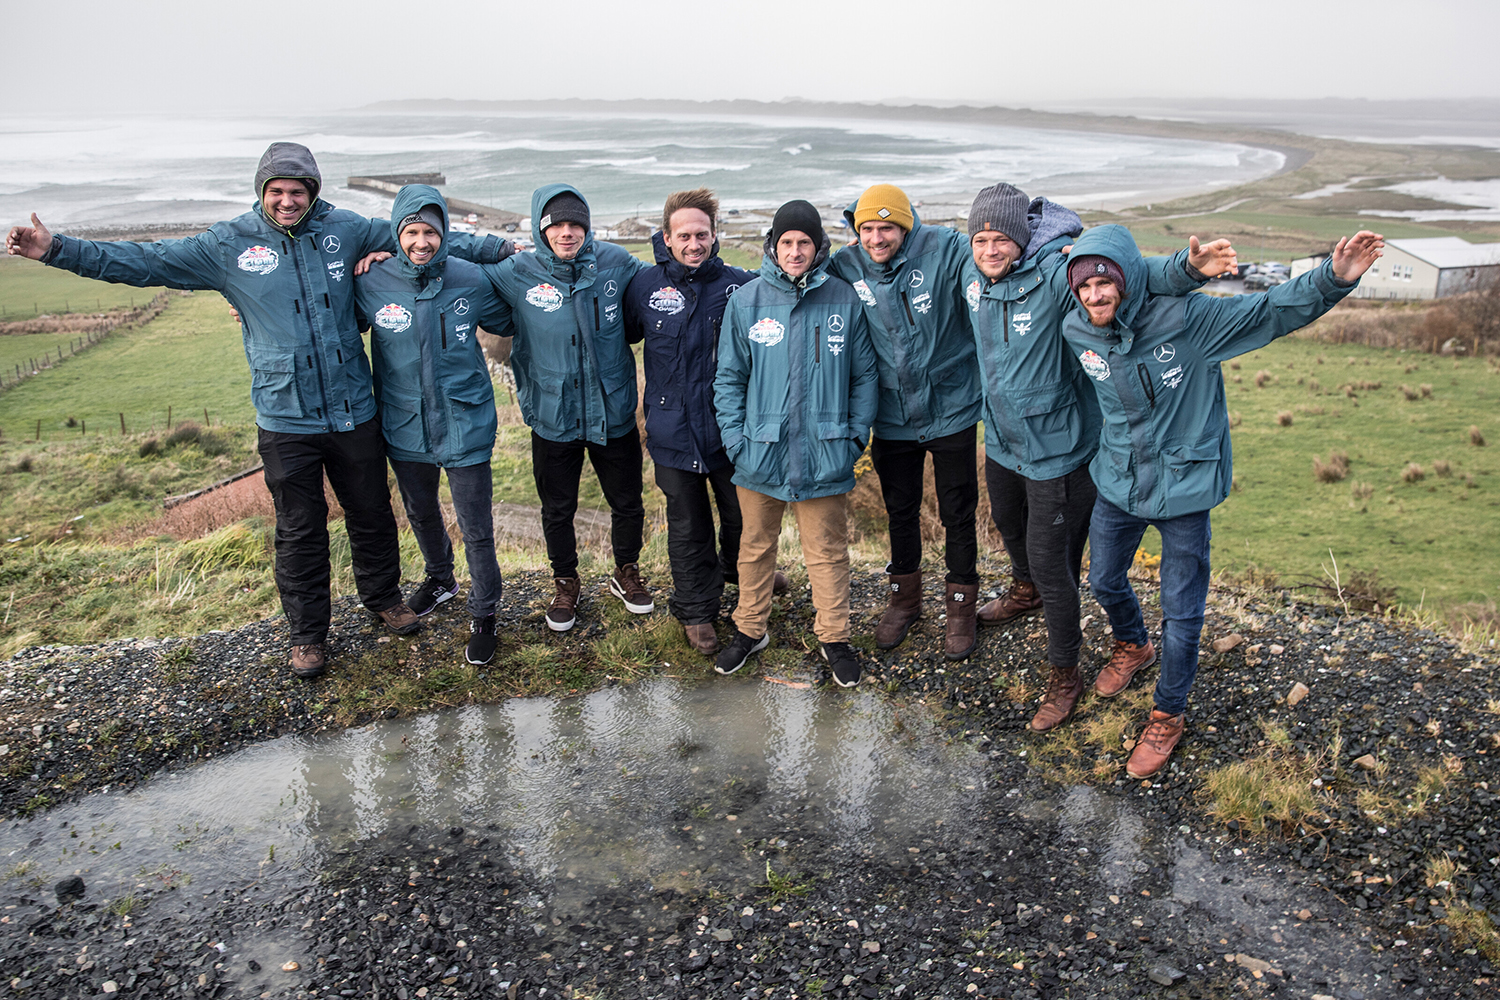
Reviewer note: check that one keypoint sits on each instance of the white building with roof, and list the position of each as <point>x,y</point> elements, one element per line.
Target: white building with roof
<point>1422,269</point>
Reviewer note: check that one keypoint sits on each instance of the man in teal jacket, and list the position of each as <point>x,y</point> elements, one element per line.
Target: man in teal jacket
<point>907,277</point>
<point>1164,456</point>
<point>1041,425</point>
<point>795,396</point>
<point>286,268</point>
<point>437,405</point>
<point>575,376</point>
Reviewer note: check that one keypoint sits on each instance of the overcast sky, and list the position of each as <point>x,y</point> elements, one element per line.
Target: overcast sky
<point>104,55</point>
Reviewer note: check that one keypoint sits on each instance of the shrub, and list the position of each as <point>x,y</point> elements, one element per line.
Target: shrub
<point>1413,473</point>
<point>1314,385</point>
<point>1426,390</point>
<point>1361,491</point>
<point>1409,392</point>
<point>1442,468</point>
<point>1284,418</point>
<point>1475,437</point>
<point>1261,378</point>
<point>1334,470</point>
<point>1235,365</point>
<point>149,447</point>
<point>1235,419</point>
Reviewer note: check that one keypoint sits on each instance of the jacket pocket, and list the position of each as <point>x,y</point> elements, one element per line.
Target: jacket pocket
<point>1051,424</point>
<point>471,418</point>
<point>834,451</point>
<point>273,385</point>
<point>1194,478</point>
<point>401,419</point>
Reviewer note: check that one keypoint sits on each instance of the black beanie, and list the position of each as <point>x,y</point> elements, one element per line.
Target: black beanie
<point>1001,207</point>
<point>565,206</point>
<point>798,216</point>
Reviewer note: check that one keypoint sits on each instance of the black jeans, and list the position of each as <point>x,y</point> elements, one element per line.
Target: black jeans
<point>899,464</point>
<point>355,464</point>
<point>472,488</point>
<point>557,466</point>
<point>1045,523</point>
<point>699,567</point>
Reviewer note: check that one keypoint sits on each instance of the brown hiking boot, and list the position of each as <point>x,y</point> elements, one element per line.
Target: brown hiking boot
<point>1123,664</point>
<point>703,638</point>
<point>962,600</point>
<point>902,612</point>
<point>563,611</point>
<point>1020,599</point>
<point>779,583</point>
<point>628,586</point>
<point>400,619</point>
<point>1064,688</point>
<point>1156,744</point>
<point>308,660</point>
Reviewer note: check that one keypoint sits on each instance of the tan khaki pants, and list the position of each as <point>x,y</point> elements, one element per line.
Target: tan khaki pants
<point>824,526</point>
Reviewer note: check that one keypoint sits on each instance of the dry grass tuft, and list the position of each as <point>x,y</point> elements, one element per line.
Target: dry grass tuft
<point>1332,471</point>
<point>1426,390</point>
<point>1262,377</point>
<point>1269,793</point>
<point>1413,473</point>
<point>1284,418</point>
<point>1313,385</point>
<point>1475,437</point>
<point>1442,468</point>
<point>1409,392</point>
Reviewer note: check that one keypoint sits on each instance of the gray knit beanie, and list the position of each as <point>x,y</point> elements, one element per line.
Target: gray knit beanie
<point>1001,207</point>
<point>429,214</point>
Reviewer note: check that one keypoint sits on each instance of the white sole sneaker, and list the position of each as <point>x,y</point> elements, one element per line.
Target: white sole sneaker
<point>635,609</point>
<point>554,626</point>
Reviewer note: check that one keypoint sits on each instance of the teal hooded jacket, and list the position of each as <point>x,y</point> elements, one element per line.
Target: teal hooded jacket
<point>1039,419</point>
<point>1165,449</point>
<point>437,404</point>
<point>929,383</point>
<point>796,386</point>
<point>575,373</point>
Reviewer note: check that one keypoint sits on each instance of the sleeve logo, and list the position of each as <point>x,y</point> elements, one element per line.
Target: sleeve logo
<point>393,317</point>
<point>1094,365</point>
<point>865,295</point>
<point>767,332</point>
<point>545,297</point>
<point>668,300</point>
<point>258,260</point>
<point>972,293</point>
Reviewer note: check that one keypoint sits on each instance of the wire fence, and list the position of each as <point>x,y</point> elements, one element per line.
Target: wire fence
<point>84,331</point>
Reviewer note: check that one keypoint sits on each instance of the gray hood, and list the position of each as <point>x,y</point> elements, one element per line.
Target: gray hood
<point>290,160</point>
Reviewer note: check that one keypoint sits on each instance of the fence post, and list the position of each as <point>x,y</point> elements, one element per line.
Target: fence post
<point>169,416</point>
<point>122,425</point>
<point>83,427</point>
<point>38,430</point>
<point>205,417</point>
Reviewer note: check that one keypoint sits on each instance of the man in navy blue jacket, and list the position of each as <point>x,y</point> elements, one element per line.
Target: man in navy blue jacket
<point>676,308</point>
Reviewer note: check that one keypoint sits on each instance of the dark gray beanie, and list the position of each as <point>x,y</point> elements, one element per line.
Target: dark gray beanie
<point>1001,207</point>
<point>429,214</point>
<point>565,206</point>
<point>799,216</point>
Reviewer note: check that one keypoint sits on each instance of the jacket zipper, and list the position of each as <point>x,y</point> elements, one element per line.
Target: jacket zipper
<point>1146,384</point>
<point>596,314</point>
<point>817,346</point>
<point>1005,317</point>
<point>311,333</point>
<point>907,306</point>
<point>443,326</point>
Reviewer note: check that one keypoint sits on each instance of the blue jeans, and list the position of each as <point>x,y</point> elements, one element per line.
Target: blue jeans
<point>1114,538</point>
<point>473,490</point>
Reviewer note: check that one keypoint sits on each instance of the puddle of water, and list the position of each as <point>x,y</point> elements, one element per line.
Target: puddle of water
<point>657,780</point>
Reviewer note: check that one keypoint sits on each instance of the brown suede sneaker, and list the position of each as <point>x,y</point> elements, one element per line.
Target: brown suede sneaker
<point>308,660</point>
<point>563,611</point>
<point>703,638</point>
<point>1021,599</point>
<point>1064,688</point>
<point>400,619</point>
<point>1156,744</point>
<point>629,587</point>
<point>1124,662</point>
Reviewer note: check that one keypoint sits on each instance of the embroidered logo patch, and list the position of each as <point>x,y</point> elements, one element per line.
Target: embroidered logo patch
<point>1096,366</point>
<point>884,213</point>
<point>460,307</point>
<point>1021,323</point>
<point>545,297</point>
<point>258,260</point>
<point>835,343</point>
<point>922,303</point>
<point>668,300</point>
<point>836,323</point>
<point>973,293</point>
<point>917,277</point>
<point>611,312</point>
<point>865,295</point>
<point>336,270</point>
<point>610,288</point>
<point>767,332</point>
<point>331,244</point>
<point>1164,353</point>
<point>462,332</point>
<point>393,317</point>
<point>1172,377</point>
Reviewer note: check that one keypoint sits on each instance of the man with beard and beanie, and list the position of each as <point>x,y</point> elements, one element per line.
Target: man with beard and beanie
<point>1041,424</point>
<point>907,275</point>
<point>676,308</point>
<point>795,396</point>
<point>437,404</point>
<point>284,267</point>
<point>1164,457</point>
<point>575,378</point>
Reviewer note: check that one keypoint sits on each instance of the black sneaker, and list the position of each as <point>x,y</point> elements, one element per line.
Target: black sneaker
<point>734,655</point>
<point>481,648</point>
<point>430,595</point>
<point>843,661</point>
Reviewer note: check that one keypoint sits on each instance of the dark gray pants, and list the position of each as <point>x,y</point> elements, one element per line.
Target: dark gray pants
<point>1045,523</point>
<point>699,567</point>
<point>473,488</point>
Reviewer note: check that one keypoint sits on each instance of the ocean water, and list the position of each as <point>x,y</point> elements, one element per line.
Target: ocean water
<point>84,171</point>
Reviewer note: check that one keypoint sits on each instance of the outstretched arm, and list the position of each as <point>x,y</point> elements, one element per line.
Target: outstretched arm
<point>29,241</point>
<point>1353,255</point>
<point>1212,259</point>
<point>194,262</point>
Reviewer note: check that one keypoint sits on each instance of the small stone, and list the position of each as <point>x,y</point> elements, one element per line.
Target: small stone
<point>110,986</point>
<point>253,965</point>
<point>1304,914</point>
<point>722,934</point>
<point>1228,642</point>
<point>873,947</point>
<point>1298,692</point>
<point>1165,975</point>
<point>1255,966</point>
<point>69,889</point>
<point>290,967</point>
<point>1276,649</point>
<point>972,988</point>
<point>1365,763</point>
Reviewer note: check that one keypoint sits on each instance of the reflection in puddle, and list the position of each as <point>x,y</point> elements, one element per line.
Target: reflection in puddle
<point>656,780</point>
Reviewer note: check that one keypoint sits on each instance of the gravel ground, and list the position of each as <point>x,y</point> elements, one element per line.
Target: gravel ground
<point>1334,904</point>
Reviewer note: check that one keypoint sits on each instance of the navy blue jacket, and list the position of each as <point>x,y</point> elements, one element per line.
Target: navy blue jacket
<point>676,310</point>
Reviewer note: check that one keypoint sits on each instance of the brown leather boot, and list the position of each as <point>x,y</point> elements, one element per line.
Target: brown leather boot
<point>1124,662</point>
<point>1064,688</point>
<point>703,638</point>
<point>1156,744</point>
<point>1020,599</point>
<point>962,602</point>
<point>903,611</point>
<point>780,584</point>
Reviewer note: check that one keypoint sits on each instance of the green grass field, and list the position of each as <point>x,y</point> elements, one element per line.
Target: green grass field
<point>21,349</point>
<point>29,289</point>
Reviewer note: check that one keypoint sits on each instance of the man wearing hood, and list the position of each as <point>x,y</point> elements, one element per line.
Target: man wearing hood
<point>285,268</point>
<point>437,404</point>
<point>676,308</point>
<point>907,278</point>
<point>795,396</point>
<point>1164,457</point>
<point>575,378</point>
<point>1040,424</point>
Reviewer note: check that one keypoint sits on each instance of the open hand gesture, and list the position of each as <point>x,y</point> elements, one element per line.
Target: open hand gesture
<point>1353,255</point>
<point>1212,259</point>
<point>29,241</point>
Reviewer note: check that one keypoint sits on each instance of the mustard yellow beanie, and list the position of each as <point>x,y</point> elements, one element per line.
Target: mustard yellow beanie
<point>884,203</point>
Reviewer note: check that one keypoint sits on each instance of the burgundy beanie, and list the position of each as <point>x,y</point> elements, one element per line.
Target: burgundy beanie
<point>1081,269</point>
